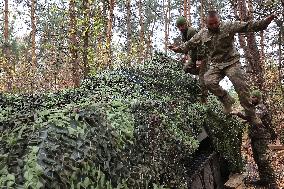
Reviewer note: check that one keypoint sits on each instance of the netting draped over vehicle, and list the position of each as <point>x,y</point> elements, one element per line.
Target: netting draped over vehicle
<point>123,128</point>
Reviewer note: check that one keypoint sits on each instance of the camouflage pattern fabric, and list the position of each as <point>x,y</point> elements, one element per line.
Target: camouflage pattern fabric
<point>220,45</point>
<point>186,36</point>
<point>260,137</point>
<point>234,72</point>
<point>262,112</point>
<point>223,58</point>
<point>202,70</point>
<point>198,53</point>
<point>261,132</point>
<point>261,153</point>
<point>190,32</point>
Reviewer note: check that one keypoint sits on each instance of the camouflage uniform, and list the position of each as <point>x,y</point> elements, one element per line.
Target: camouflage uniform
<point>198,53</point>
<point>260,136</point>
<point>190,66</point>
<point>262,112</point>
<point>224,59</point>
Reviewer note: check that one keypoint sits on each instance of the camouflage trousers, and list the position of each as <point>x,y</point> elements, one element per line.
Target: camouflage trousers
<point>200,71</point>
<point>261,153</point>
<point>236,75</point>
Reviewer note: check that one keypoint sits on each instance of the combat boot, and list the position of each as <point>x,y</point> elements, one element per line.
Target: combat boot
<point>228,102</point>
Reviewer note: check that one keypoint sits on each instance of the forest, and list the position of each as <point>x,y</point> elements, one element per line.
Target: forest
<point>92,97</point>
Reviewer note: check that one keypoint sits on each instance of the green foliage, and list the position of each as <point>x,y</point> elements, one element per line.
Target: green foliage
<point>32,170</point>
<point>124,128</point>
<point>226,133</point>
<point>6,179</point>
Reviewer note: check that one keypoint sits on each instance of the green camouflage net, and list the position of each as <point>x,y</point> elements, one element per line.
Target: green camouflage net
<point>124,128</point>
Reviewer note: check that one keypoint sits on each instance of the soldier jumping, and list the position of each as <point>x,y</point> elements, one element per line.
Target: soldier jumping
<point>224,59</point>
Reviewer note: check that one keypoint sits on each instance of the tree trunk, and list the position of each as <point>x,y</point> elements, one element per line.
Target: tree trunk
<point>73,44</point>
<point>262,46</point>
<point>239,6</point>
<point>185,8</point>
<point>86,9</point>
<point>202,23</point>
<point>254,51</point>
<point>6,47</point>
<point>149,40</point>
<point>128,24</point>
<point>6,22</point>
<point>33,34</point>
<point>180,8</point>
<point>280,66</point>
<point>166,10</point>
<point>262,59</point>
<point>109,32</point>
<point>169,18</point>
<point>141,23</point>
<point>251,51</point>
<point>99,39</point>
<point>189,12</point>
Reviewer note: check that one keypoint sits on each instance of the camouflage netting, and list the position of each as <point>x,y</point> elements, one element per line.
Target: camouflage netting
<point>125,128</point>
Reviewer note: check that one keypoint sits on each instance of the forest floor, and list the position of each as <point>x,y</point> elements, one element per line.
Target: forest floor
<point>251,168</point>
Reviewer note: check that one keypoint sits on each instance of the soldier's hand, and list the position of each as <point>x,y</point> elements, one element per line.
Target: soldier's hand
<point>176,49</point>
<point>239,114</point>
<point>171,46</point>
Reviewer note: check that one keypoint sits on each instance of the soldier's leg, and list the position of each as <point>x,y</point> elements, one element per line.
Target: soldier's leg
<point>212,78</point>
<point>191,70</point>
<point>237,77</point>
<point>262,158</point>
<point>204,90</point>
<point>190,67</point>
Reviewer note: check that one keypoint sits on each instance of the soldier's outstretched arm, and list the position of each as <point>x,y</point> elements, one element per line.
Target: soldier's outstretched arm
<point>251,26</point>
<point>240,115</point>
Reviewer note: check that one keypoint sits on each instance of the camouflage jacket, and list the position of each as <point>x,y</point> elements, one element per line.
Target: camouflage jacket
<point>262,112</point>
<point>196,53</point>
<point>186,36</point>
<point>261,132</point>
<point>220,45</point>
